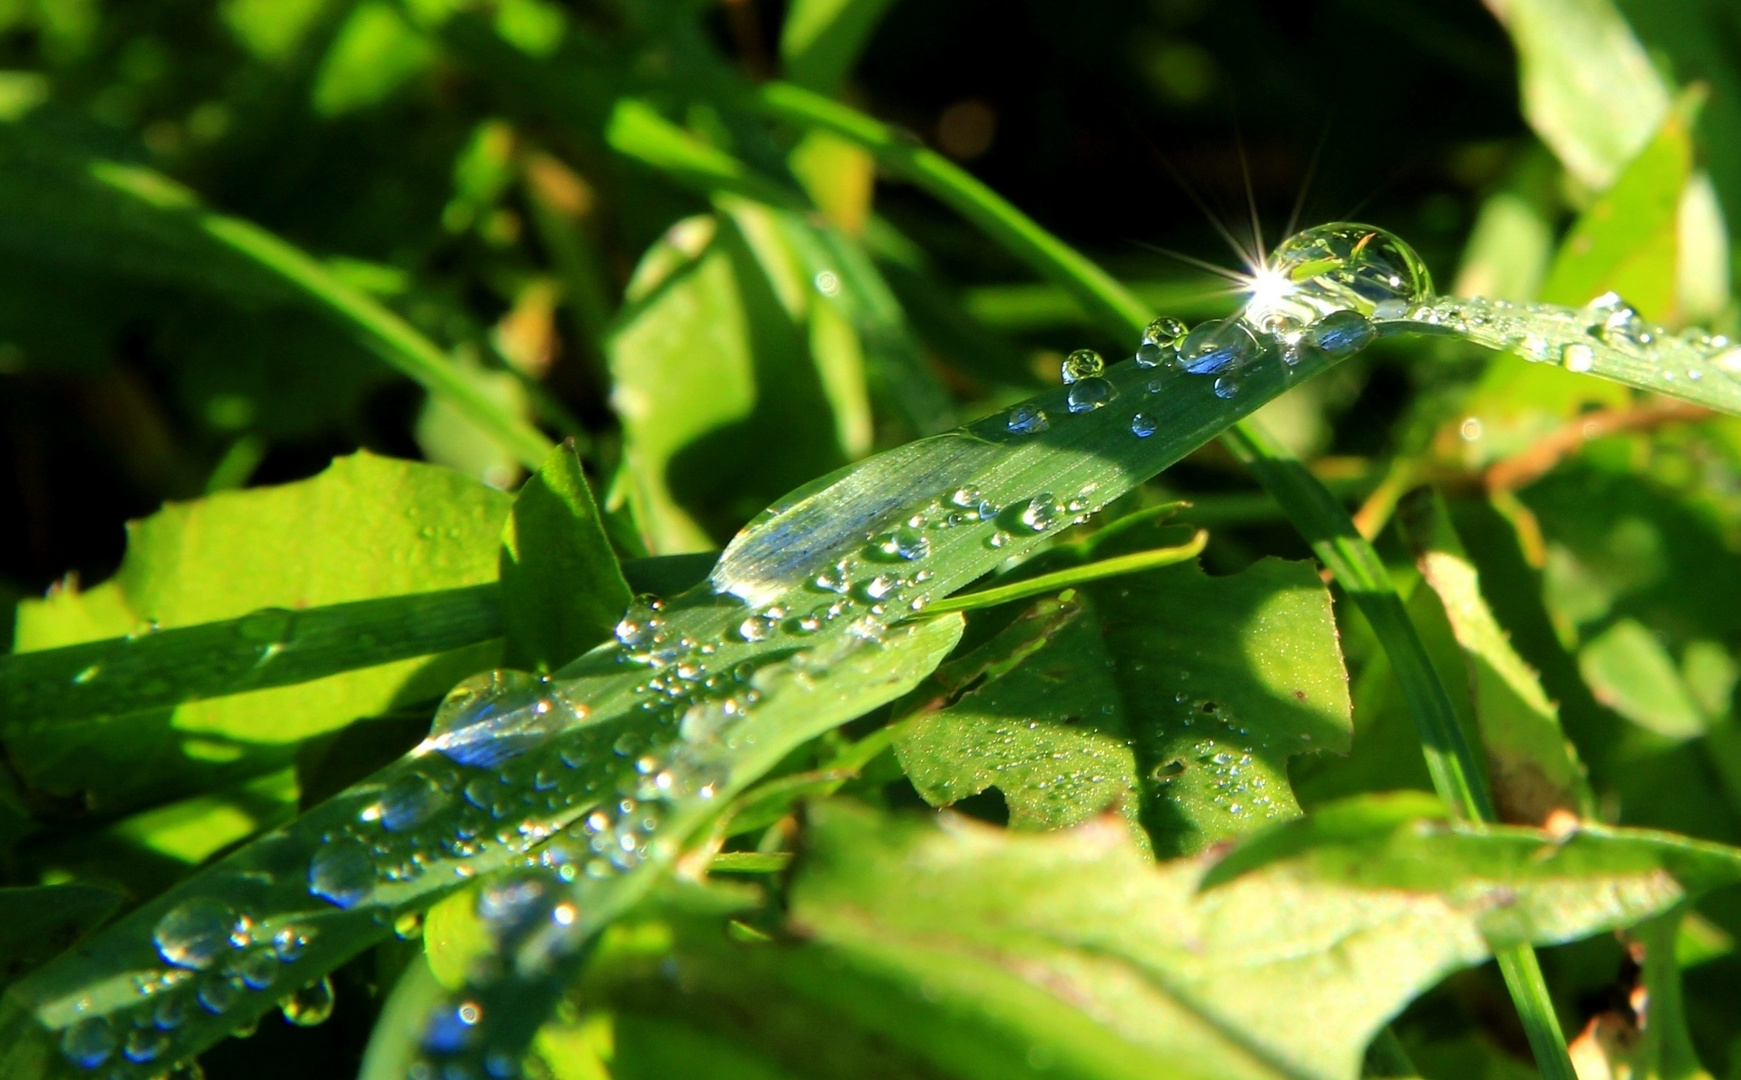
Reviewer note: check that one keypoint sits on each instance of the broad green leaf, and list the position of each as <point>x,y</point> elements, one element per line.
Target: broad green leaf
<point>1589,89</point>
<point>1630,672</point>
<point>1037,934</point>
<point>1627,241</point>
<point>1532,770</point>
<point>1179,696</point>
<point>561,587</point>
<point>821,39</point>
<point>368,527</point>
<point>36,923</point>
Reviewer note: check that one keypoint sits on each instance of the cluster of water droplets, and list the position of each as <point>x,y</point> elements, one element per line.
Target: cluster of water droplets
<point>1607,335</point>
<point>1325,291</point>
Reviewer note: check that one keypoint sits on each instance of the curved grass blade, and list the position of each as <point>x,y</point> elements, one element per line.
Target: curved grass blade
<point>271,647</point>
<point>1075,575</point>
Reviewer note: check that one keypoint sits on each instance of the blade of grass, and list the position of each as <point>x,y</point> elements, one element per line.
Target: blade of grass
<point>1313,510</point>
<point>273,647</point>
<point>383,332</point>
<point>1075,575</point>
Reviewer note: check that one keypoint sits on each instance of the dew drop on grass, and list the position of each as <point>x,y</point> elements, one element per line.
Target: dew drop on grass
<point>490,718</point>
<point>1142,425</point>
<point>409,800</point>
<point>1577,357</point>
<point>1227,386</point>
<point>1039,513</point>
<point>1160,341</point>
<point>257,969</point>
<point>1340,333</point>
<point>967,498</point>
<point>145,1044</point>
<point>1082,364</point>
<point>1090,394</point>
<point>1340,267</point>
<point>906,543</point>
<point>193,934</point>
<point>89,1042</point>
<point>288,944</point>
<point>309,1005</point>
<point>1217,346</point>
<point>1027,420</point>
<point>341,873</point>
<point>217,992</point>
<point>756,628</point>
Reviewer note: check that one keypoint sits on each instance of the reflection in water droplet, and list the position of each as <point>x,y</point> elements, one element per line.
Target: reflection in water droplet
<point>1339,267</point>
<point>341,873</point>
<point>754,628</point>
<point>410,800</point>
<point>1142,425</point>
<point>194,933</point>
<point>1227,386</point>
<point>1160,341</point>
<point>1217,346</point>
<point>310,1005</point>
<point>490,718</point>
<point>1039,513</point>
<point>170,1013</point>
<point>257,969</point>
<point>906,543</point>
<point>1340,333</point>
<point>1027,420</point>
<point>1082,364</point>
<point>88,1043</point>
<point>1090,394</point>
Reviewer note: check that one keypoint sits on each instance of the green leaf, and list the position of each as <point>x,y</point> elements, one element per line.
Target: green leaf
<point>1532,769</point>
<point>562,589</point>
<point>366,528</point>
<point>1188,720</point>
<point>1589,89</point>
<point>1628,240</point>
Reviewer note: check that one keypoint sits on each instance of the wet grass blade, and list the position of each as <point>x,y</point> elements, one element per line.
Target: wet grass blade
<point>272,647</point>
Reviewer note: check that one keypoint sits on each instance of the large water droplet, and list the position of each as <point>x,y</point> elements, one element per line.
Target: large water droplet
<point>905,543</point>
<point>341,873</point>
<point>1082,364</point>
<point>1217,346</point>
<point>1160,341</point>
<point>145,1044</point>
<point>1142,425</point>
<point>88,1043</point>
<point>492,717</point>
<point>1039,513</point>
<point>1578,357</point>
<point>1090,394</point>
<point>310,1005</point>
<point>1338,267</point>
<point>1340,333</point>
<point>1027,420</point>
<point>195,932</point>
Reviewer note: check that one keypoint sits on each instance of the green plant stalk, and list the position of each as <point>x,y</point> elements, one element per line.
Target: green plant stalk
<point>1457,775</point>
<point>1075,575</point>
<point>380,330</point>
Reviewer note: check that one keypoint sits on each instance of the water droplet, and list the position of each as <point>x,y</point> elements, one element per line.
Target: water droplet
<point>1340,267</point>
<point>907,544</point>
<point>217,992</point>
<point>341,873</point>
<point>1090,394</point>
<point>195,932</point>
<point>1470,429</point>
<point>490,718</point>
<point>832,580</point>
<point>1340,333</point>
<point>1227,386</point>
<point>257,969</point>
<point>1027,420</point>
<point>409,800</point>
<point>1578,357</point>
<point>1082,364</point>
<point>1217,346</point>
<point>1142,425</point>
<point>288,943</point>
<point>1160,341</point>
<point>310,1005</point>
<point>968,498</point>
<point>89,1042</point>
<point>756,628</point>
<point>1039,513</point>
<point>997,539</point>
